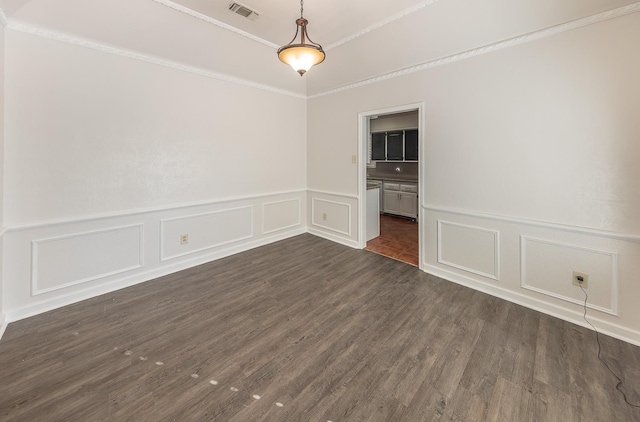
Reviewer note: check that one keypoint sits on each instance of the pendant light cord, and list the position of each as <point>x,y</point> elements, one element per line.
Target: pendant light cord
<point>301,8</point>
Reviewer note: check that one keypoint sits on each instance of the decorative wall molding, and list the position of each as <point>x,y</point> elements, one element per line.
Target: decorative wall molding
<point>227,238</point>
<point>69,39</point>
<point>215,22</point>
<point>19,301</point>
<point>613,306</point>
<point>489,48</point>
<point>265,205</point>
<point>496,250</point>
<point>326,227</point>
<point>382,23</point>
<point>36,245</point>
<point>575,317</point>
<point>343,195</point>
<point>136,278</point>
<point>554,226</point>
<point>61,37</point>
<point>26,304</point>
<point>147,211</point>
<point>334,238</point>
<point>252,37</point>
<point>538,275</point>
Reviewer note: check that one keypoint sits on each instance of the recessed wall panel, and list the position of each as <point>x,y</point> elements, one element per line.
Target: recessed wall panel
<point>64,261</point>
<point>280,215</point>
<point>547,267</point>
<point>331,215</point>
<point>205,231</point>
<point>468,248</point>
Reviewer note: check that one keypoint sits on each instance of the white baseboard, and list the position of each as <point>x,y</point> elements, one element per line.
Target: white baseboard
<point>604,327</point>
<point>347,242</point>
<point>3,324</point>
<point>140,277</point>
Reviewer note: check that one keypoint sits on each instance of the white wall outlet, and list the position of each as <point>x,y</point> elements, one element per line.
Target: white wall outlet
<point>354,159</point>
<point>184,239</point>
<point>324,215</point>
<point>581,279</point>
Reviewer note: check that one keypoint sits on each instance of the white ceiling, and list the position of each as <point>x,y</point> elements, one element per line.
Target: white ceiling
<point>329,20</point>
<point>363,38</point>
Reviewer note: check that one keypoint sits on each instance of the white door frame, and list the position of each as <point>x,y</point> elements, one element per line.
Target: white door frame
<point>363,149</point>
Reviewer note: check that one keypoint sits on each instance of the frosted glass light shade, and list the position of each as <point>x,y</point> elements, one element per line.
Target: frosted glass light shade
<point>301,57</point>
<point>303,54</point>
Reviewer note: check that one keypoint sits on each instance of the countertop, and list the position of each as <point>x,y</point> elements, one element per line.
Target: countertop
<point>393,179</point>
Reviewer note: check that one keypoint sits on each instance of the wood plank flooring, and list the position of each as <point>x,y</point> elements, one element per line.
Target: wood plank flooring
<point>308,330</point>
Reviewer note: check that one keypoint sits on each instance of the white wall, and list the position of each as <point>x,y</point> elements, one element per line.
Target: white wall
<point>90,132</point>
<point>545,133</point>
<point>2,31</point>
<point>109,160</point>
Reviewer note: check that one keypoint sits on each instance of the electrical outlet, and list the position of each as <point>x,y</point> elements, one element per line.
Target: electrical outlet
<point>324,215</point>
<point>184,239</point>
<point>354,159</point>
<point>581,279</point>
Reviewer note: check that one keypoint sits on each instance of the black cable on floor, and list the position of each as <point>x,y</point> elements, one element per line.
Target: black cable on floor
<point>619,384</point>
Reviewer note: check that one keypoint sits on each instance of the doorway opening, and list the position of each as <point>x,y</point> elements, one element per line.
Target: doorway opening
<point>398,239</point>
<point>391,144</point>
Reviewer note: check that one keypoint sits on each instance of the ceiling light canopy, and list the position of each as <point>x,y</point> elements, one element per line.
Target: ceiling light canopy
<point>301,56</point>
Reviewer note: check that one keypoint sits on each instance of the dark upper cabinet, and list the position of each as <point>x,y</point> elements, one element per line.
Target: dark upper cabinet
<point>395,147</point>
<point>377,146</point>
<point>411,145</point>
<point>398,145</point>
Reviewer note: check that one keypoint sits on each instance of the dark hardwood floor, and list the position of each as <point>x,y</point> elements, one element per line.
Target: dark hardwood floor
<point>308,330</point>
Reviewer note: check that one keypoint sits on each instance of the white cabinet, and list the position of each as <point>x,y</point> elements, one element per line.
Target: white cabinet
<point>391,202</point>
<point>373,213</point>
<point>401,199</point>
<point>409,204</point>
<point>378,184</point>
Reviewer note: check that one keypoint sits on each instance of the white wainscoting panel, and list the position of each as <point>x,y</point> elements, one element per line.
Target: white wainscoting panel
<point>280,215</point>
<point>468,248</point>
<point>205,231</point>
<point>64,261</point>
<point>331,215</point>
<point>47,265</point>
<point>536,262</point>
<point>547,267</point>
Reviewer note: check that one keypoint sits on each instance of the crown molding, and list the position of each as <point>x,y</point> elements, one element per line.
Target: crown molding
<point>579,23</point>
<point>382,23</point>
<point>358,34</point>
<point>215,22</point>
<point>68,39</point>
<point>532,36</point>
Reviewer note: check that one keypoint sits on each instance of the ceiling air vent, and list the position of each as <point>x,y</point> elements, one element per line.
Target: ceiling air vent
<point>243,11</point>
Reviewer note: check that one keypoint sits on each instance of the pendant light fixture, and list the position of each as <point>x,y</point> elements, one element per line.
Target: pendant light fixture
<point>301,56</point>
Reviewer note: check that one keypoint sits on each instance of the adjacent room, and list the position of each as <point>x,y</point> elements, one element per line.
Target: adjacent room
<point>408,211</point>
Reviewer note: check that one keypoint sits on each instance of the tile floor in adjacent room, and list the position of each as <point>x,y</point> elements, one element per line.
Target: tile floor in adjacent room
<point>398,239</point>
